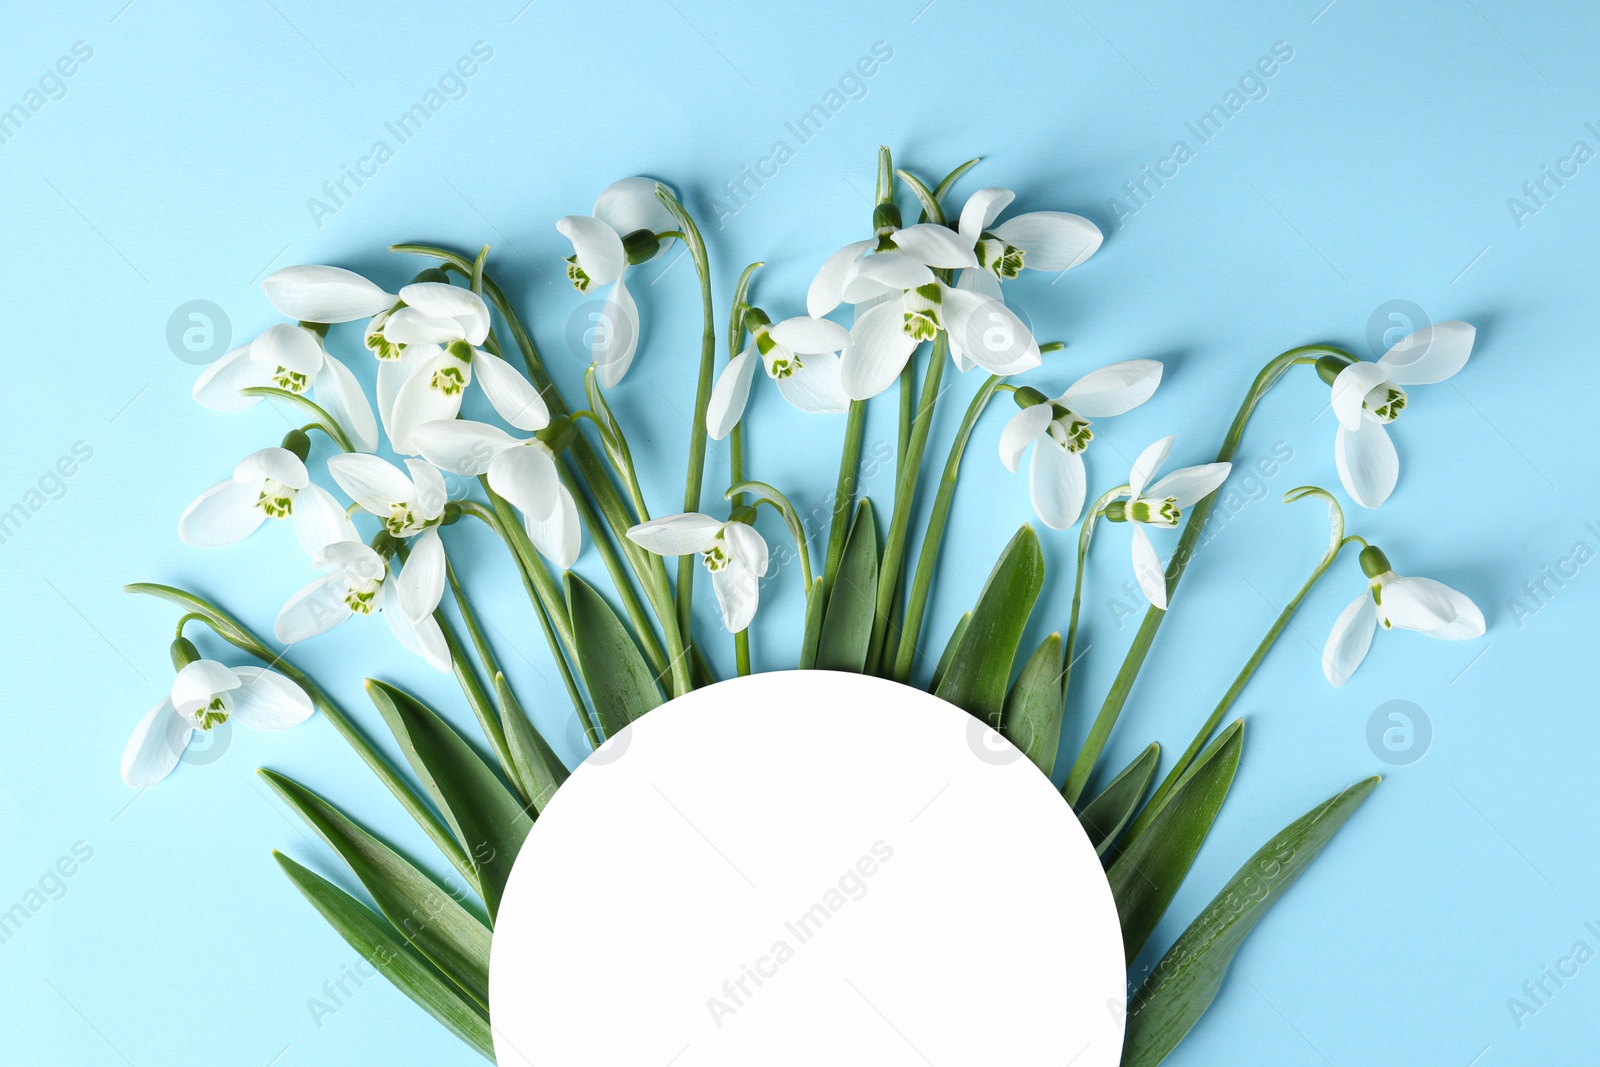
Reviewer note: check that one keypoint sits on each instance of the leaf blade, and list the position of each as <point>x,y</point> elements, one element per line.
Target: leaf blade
<point>378,943</point>
<point>847,620</point>
<point>979,674</point>
<point>1187,979</point>
<point>1032,719</point>
<point>621,684</point>
<point>1106,816</point>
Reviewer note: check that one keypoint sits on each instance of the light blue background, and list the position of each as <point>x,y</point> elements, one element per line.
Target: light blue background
<point>177,166</point>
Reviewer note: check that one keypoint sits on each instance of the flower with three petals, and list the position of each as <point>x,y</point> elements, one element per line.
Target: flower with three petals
<point>1035,240</point>
<point>1060,430</point>
<point>732,550</point>
<point>1423,605</point>
<point>1160,505</point>
<point>801,355</point>
<point>272,483</point>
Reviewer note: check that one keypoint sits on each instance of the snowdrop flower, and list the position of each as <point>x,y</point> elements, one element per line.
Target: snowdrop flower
<point>204,695</point>
<point>357,580</point>
<point>856,272</point>
<point>1037,240</point>
<point>410,508</point>
<point>624,230</point>
<point>1060,430</point>
<point>324,294</point>
<point>411,333</point>
<point>801,355</point>
<point>432,391</point>
<point>1160,505</point>
<point>734,553</point>
<point>272,483</point>
<point>523,472</point>
<point>1368,396</point>
<point>1430,608</point>
<point>291,358</point>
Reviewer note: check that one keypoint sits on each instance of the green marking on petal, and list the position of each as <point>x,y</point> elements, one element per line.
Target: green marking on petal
<point>290,380</point>
<point>1385,403</point>
<point>276,500</point>
<point>717,556</point>
<point>1156,512</point>
<point>576,275</point>
<point>213,714</point>
<point>448,380</point>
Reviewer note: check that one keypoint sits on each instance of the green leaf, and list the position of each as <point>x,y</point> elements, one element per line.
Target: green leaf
<point>1033,710</point>
<point>847,623</point>
<point>381,945</point>
<point>486,818</point>
<point>1105,816</point>
<point>432,920</point>
<point>980,671</point>
<point>621,684</point>
<point>1145,876</point>
<point>813,626</point>
<point>949,652</point>
<point>539,770</point>
<point>1186,980</point>
<point>931,209</point>
<point>954,176</point>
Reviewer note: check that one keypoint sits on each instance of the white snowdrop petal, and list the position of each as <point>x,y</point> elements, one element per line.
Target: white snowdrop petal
<point>1367,462</point>
<point>1431,608</point>
<point>1349,639</point>
<point>558,536</point>
<point>935,245</point>
<point>878,352</point>
<point>312,293</point>
<point>319,521</point>
<point>748,546</point>
<point>294,348</point>
<point>631,204</point>
<point>738,591</point>
<point>1056,485</point>
<point>1430,354</point>
<point>218,385</point>
<point>222,515</point>
<point>315,609</point>
<point>268,701</point>
<point>1349,391</point>
<point>827,288</point>
<point>818,386</point>
<point>1022,430</point>
<point>510,393</point>
<point>597,246</point>
<point>885,271</point>
<point>980,281</point>
<point>527,477</point>
<point>430,493</point>
<point>276,463</point>
<point>423,638</point>
<point>413,326</point>
<point>156,746</point>
<point>809,336</point>
<point>1051,240</point>
<point>372,482</point>
<point>419,402</point>
<point>421,582</point>
<point>1147,568</point>
<point>616,337</point>
<point>676,535</point>
<point>461,446</point>
<point>196,683</point>
<point>1190,485</point>
<point>989,333</point>
<point>340,395</point>
<point>730,395</point>
<point>980,211</point>
<point>1113,389</point>
<point>1146,465</point>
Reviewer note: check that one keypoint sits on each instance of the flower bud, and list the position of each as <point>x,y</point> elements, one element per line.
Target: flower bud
<point>1027,396</point>
<point>183,653</point>
<point>1328,367</point>
<point>297,442</point>
<point>641,246</point>
<point>559,434</point>
<point>755,318</point>
<point>1116,511</point>
<point>1374,562</point>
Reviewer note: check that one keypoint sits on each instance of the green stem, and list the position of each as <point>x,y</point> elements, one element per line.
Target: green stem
<point>325,422</point>
<point>483,705</point>
<point>1069,658</point>
<point>928,556</point>
<point>889,574</point>
<point>1185,761</point>
<point>619,575</point>
<point>695,479</point>
<point>1122,686</point>
<point>231,630</point>
<point>844,491</point>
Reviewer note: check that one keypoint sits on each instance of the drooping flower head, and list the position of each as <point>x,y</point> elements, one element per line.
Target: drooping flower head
<point>732,551</point>
<point>1423,605</point>
<point>272,483</point>
<point>800,355</point>
<point>1160,505</point>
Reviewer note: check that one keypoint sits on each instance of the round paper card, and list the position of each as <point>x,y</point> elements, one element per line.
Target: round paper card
<point>806,868</point>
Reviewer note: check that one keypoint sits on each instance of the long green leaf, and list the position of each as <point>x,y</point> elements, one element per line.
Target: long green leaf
<point>1185,982</point>
<point>432,920</point>
<point>487,819</point>
<point>813,626</point>
<point>847,621</point>
<point>980,672</point>
<point>1104,817</point>
<point>621,684</point>
<point>949,652</point>
<point>1033,710</point>
<point>381,945</point>
<point>1145,877</point>
<point>539,770</point>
